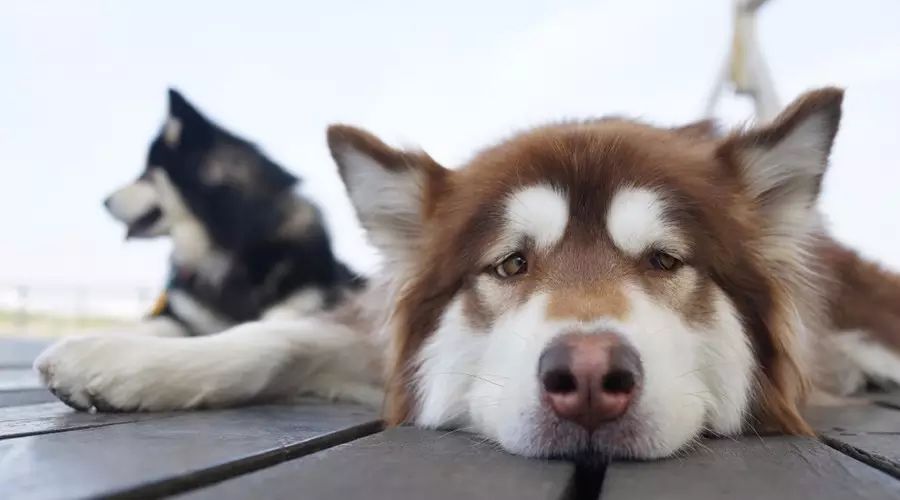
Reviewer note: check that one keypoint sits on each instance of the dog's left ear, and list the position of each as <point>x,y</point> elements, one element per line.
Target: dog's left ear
<point>393,191</point>
<point>781,165</point>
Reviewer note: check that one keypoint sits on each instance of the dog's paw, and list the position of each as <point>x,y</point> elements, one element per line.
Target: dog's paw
<point>102,373</point>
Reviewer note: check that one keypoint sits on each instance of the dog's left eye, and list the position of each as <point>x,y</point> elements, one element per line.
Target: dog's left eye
<point>514,264</point>
<point>664,262</point>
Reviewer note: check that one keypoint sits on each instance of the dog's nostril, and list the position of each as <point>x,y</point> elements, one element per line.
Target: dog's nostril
<point>559,382</point>
<point>618,382</point>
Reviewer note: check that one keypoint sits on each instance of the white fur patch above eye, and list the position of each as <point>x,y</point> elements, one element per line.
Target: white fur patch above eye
<point>172,131</point>
<point>539,212</point>
<point>636,221</point>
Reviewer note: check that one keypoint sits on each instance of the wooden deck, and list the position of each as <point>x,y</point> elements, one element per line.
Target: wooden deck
<point>339,451</point>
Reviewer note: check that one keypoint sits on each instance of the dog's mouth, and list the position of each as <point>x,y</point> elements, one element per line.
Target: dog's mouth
<point>144,223</point>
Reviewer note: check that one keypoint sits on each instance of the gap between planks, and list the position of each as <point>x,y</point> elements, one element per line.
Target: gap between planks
<point>866,433</point>
<point>230,470</point>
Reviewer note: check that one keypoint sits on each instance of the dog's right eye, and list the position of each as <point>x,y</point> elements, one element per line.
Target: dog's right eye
<point>664,262</point>
<point>512,265</point>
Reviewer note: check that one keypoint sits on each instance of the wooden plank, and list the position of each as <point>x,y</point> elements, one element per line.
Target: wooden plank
<point>25,397</point>
<point>18,421</point>
<point>860,418</point>
<point>163,456</point>
<point>20,353</point>
<point>19,384</point>
<point>889,399</point>
<point>868,433</point>
<point>751,468</point>
<point>12,379</point>
<point>404,463</point>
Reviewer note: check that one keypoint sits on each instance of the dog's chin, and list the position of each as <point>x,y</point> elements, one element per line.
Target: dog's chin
<point>546,436</point>
<point>590,449</point>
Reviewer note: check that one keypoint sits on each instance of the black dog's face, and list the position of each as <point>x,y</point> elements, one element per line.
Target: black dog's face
<point>138,206</point>
<point>195,172</point>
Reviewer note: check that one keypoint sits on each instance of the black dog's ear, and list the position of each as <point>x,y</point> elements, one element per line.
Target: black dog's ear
<point>180,108</point>
<point>183,119</point>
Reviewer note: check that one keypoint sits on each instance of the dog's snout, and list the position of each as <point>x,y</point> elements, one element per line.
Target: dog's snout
<point>107,203</point>
<point>589,379</point>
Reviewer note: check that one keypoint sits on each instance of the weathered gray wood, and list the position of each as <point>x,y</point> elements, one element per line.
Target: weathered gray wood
<point>162,456</point>
<point>404,463</point>
<point>19,384</point>
<point>870,449</point>
<point>25,397</point>
<point>869,433</point>
<point>19,378</point>
<point>890,399</point>
<point>750,468</point>
<point>860,418</point>
<point>20,353</point>
<point>20,421</point>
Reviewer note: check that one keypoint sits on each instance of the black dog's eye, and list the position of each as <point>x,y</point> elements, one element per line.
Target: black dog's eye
<point>514,264</point>
<point>663,261</point>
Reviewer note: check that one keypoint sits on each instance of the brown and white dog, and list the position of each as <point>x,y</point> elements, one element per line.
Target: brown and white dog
<point>586,288</point>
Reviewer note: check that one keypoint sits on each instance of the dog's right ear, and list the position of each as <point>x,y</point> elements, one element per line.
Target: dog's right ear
<point>393,191</point>
<point>183,118</point>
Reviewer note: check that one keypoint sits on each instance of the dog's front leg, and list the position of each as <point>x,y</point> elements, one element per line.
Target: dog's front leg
<point>251,362</point>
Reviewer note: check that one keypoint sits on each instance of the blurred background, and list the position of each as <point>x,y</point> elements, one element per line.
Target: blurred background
<point>83,91</point>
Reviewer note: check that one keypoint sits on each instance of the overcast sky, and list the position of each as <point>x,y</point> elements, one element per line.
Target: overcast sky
<point>82,91</point>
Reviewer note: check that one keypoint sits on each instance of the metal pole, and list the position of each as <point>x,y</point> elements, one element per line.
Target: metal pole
<point>744,68</point>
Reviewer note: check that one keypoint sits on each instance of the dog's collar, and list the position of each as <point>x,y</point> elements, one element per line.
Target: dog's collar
<point>159,305</point>
<point>180,275</point>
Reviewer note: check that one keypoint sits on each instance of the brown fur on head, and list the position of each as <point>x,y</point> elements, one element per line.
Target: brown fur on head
<point>737,211</point>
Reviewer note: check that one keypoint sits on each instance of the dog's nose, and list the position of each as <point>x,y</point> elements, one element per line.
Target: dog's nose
<point>589,379</point>
<point>107,202</point>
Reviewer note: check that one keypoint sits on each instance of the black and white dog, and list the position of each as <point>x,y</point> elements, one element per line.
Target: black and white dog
<point>246,245</point>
